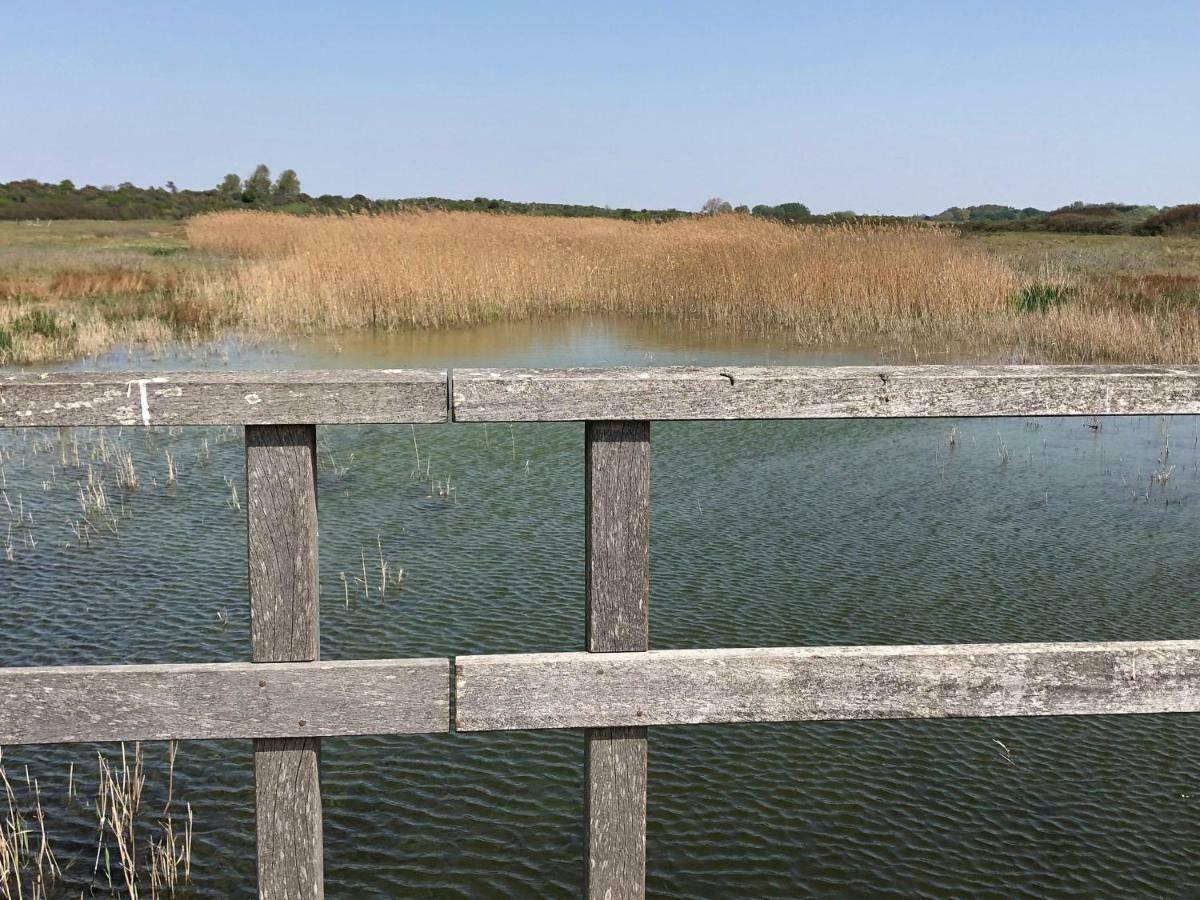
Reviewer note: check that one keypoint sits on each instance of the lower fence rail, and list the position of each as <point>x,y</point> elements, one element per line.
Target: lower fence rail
<point>212,701</point>
<point>209,701</point>
<point>613,696</point>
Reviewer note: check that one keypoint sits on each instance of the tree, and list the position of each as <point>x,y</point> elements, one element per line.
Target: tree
<point>259,182</point>
<point>714,205</point>
<point>172,188</point>
<point>230,185</point>
<point>288,184</point>
<point>783,211</point>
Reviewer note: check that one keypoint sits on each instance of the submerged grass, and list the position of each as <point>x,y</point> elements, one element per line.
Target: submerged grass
<point>138,851</point>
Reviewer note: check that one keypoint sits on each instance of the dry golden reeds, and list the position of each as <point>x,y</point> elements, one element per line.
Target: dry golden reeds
<point>122,862</point>
<point>443,269</point>
<point>886,285</point>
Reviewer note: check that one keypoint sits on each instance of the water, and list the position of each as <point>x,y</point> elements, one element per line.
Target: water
<point>764,533</point>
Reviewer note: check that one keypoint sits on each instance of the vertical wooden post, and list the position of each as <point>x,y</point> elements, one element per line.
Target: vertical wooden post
<point>617,497</point>
<point>281,508</point>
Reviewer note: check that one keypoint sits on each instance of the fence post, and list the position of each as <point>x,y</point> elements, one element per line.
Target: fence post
<point>281,508</point>
<point>617,558</point>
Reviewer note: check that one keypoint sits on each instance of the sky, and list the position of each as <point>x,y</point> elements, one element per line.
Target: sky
<point>879,107</point>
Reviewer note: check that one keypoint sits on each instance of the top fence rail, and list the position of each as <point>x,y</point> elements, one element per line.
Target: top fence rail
<point>421,396</point>
<point>339,397</point>
<point>794,392</point>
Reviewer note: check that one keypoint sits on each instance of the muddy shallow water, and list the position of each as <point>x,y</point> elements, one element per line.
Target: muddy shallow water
<point>763,533</point>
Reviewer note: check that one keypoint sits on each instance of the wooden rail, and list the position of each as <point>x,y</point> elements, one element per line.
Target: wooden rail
<point>804,684</point>
<point>286,699</point>
<point>343,397</point>
<point>205,701</point>
<point>524,395</point>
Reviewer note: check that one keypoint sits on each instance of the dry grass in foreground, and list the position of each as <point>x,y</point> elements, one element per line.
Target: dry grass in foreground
<point>815,286</point>
<point>70,289</point>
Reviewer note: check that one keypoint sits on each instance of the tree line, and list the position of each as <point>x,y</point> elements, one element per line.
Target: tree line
<point>31,199</point>
<point>258,185</point>
<point>1075,218</point>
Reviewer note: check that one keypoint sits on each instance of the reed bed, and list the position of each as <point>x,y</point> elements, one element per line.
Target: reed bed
<point>891,285</point>
<point>912,291</point>
<point>448,269</point>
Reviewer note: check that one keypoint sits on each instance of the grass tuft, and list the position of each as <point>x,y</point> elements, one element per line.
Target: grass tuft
<point>1040,297</point>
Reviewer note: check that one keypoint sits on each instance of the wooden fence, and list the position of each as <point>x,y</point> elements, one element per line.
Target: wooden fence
<point>285,699</point>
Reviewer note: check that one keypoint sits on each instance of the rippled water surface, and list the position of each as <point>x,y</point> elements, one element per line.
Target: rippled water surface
<point>765,533</point>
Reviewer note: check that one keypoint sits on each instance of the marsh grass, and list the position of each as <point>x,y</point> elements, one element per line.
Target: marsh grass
<point>1127,300</point>
<point>137,852</point>
<point>127,476</point>
<point>80,289</point>
<point>1040,297</point>
<point>449,269</point>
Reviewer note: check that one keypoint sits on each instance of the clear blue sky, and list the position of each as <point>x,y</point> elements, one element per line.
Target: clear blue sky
<point>894,107</point>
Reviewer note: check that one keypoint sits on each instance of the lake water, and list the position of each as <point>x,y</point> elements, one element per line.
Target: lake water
<point>763,533</point>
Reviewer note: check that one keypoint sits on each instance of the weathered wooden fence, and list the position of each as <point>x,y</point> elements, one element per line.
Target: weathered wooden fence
<point>285,699</point>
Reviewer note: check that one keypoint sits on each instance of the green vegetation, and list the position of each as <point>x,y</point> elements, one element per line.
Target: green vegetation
<point>1078,218</point>
<point>38,321</point>
<point>788,212</point>
<point>1040,297</point>
<point>986,212</point>
<point>1183,219</point>
<point>31,200</point>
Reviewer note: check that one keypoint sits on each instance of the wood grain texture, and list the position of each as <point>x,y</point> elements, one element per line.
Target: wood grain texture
<point>617,560</point>
<point>617,552</point>
<point>281,508</point>
<point>281,514</point>
<point>291,845</point>
<point>511,395</point>
<point>671,687</point>
<point>615,813</point>
<point>223,398</point>
<point>208,701</point>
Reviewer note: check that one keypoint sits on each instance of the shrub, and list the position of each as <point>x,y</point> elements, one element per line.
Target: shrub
<point>1183,219</point>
